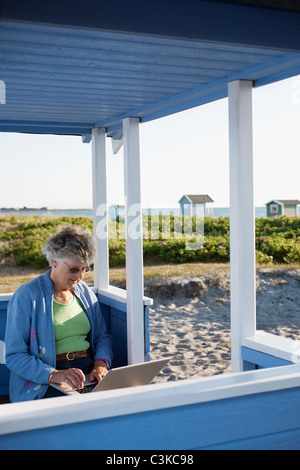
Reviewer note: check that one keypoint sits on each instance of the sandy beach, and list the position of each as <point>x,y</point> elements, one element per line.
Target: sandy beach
<point>190,319</point>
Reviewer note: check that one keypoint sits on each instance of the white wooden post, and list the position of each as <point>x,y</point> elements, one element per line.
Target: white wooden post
<point>100,209</point>
<point>134,242</point>
<point>242,218</point>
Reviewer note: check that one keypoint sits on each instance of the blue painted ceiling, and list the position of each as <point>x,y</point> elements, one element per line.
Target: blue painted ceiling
<point>67,80</point>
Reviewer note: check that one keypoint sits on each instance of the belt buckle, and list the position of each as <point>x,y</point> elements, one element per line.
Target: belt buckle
<point>70,358</point>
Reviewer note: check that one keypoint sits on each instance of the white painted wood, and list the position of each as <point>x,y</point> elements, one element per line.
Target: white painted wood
<point>117,144</point>
<point>100,208</point>
<point>120,295</point>
<point>86,138</point>
<point>111,292</point>
<point>134,242</point>
<point>6,296</point>
<point>2,353</point>
<point>2,92</point>
<point>38,414</point>
<point>278,346</point>
<point>242,218</point>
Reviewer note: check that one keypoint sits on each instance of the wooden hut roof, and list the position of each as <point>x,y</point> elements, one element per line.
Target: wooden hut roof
<point>69,67</point>
<point>286,202</point>
<point>198,198</point>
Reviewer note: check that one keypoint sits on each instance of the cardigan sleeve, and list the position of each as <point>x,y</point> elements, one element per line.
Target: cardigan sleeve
<point>20,357</point>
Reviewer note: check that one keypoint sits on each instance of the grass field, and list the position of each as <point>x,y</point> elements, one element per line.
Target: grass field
<point>21,239</point>
<point>11,277</point>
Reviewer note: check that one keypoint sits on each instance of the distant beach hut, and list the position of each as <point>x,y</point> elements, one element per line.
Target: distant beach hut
<point>194,204</point>
<point>282,207</point>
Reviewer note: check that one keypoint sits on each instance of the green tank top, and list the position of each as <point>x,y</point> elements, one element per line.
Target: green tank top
<point>71,327</point>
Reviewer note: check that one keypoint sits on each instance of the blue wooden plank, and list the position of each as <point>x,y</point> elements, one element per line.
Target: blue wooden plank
<point>40,129</point>
<point>289,440</point>
<point>213,90</point>
<point>88,40</point>
<point>3,315</point>
<point>266,420</point>
<point>118,328</point>
<point>58,124</point>
<point>262,360</point>
<point>120,353</point>
<point>188,62</point>
<point>118,312</point>
<point>3,304</point>
<point>115,315</point>
<point>186,19</point>
<point>4,379</point>
<point>112,302</point>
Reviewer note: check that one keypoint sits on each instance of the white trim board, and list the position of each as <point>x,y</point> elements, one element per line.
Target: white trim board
<point>111,292</point>
<point>278,346</point>
<point>120,295</point>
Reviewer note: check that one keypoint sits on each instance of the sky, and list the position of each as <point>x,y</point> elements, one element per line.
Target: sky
<point>186,153</point>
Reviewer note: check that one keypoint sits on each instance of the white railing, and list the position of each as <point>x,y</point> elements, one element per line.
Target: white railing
<point>28,416</point>
<point>111,292</point>
<point>277,346</point>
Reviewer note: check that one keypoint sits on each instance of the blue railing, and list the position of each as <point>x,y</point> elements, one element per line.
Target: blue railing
<point>250,410</point>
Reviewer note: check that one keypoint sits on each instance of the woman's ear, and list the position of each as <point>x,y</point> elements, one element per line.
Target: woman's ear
<point>54,263</point>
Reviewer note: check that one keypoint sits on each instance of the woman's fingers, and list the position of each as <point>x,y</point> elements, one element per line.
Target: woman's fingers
<point>74,378</point>
<point>97,374</point>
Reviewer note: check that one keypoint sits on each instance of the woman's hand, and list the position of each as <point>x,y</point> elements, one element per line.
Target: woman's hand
<point>98,372</point>
<point>65,379</point>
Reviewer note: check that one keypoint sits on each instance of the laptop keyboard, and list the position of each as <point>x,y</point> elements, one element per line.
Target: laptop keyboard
<point>87,389</point>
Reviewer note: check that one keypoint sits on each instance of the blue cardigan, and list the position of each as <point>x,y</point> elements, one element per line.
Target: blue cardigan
<point>30,340</point>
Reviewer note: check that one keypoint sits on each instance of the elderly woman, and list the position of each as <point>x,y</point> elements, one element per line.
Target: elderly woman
<point>55,330</point>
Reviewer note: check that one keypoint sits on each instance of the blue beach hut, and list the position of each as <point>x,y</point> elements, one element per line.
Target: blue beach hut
<point>99,70</point>
<point>194,204</point>
<point>280,207</point>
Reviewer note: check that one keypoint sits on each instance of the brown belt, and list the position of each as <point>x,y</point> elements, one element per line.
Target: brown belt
<point>70,356</point>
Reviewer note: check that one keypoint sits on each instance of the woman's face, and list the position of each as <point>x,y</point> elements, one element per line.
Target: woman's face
<point>67,273</point>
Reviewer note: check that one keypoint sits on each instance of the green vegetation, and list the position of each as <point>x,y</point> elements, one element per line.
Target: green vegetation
<point>277,239</point>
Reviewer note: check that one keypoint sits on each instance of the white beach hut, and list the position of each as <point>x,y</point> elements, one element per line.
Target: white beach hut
<point>98,70</point>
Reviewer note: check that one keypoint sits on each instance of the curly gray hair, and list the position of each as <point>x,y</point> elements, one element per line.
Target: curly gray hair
<point>71,242</point>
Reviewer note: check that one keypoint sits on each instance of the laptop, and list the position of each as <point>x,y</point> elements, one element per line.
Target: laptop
<point>121,377</point>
